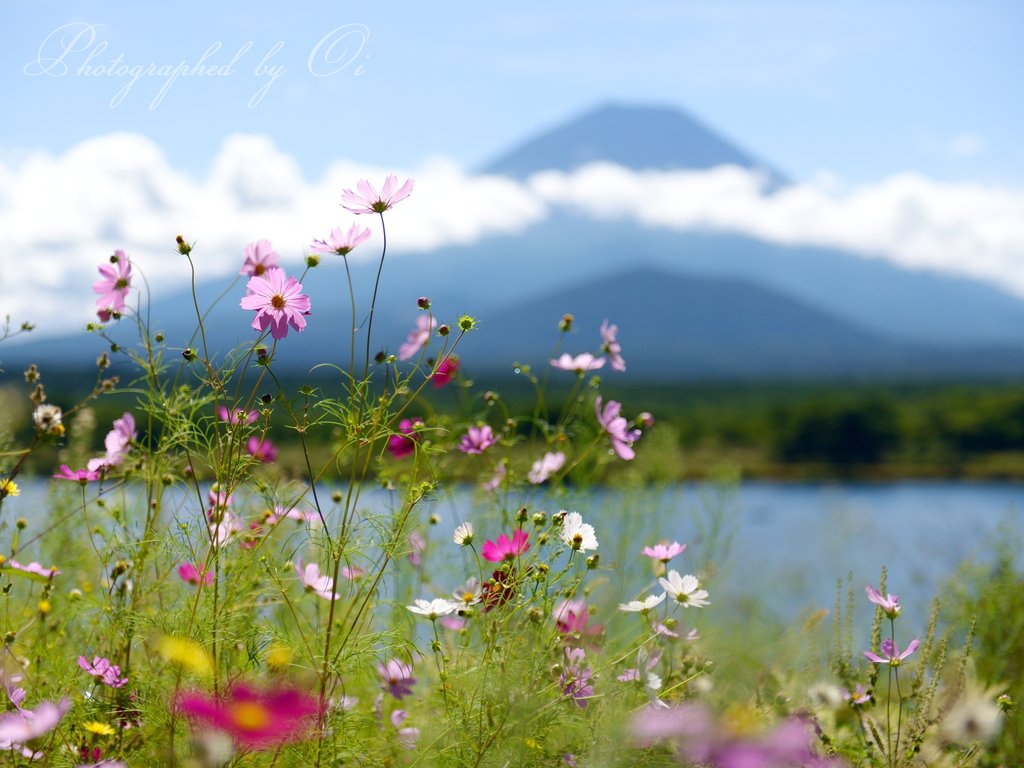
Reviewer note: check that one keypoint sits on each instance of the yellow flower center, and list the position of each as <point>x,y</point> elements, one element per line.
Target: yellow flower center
<point>249,716</point>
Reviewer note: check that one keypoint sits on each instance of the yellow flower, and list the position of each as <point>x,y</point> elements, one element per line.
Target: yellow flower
<point>100,729</point>
<point>186,653</point>
<point>9,488</point>
<point>279,656</point>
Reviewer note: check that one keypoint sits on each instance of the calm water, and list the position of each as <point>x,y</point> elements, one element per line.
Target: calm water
<point>785,542</point>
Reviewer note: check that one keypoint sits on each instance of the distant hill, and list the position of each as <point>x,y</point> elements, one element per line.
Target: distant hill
<point>637,137</point>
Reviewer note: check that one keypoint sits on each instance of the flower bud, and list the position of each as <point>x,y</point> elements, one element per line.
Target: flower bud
<point>565,324</point>
<point>467,323</point>
<point>522,515</point>
<point>313,260</point>
<point>189,354</point>
<point>423,302</point>
<point>443,330</point>
<point>184,248</point>
<point>645,420</point>
<point>593,561</point>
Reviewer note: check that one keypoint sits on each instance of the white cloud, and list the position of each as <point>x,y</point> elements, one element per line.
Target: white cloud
<point>60,216</point>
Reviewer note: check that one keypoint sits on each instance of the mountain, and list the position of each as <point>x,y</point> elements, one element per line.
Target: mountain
<point>636,137</point>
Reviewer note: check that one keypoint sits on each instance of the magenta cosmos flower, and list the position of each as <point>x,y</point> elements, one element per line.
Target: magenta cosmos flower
<point>579,364</point>
<point>505,548</point>
<point>617,428</point>
<point>403,444</point>
<point>477,439</point>
<point>278,302</point>
<point>236,416</point>
<point>260,256</point>
<point>82,476</point>
<point>891,653</point>
<point>368,201</point>
<point>575,678</point>
<point>417,338</point>
<point>397,678</point>
<point>341,242</point>
<point>890,604</point>
<point>664,552</point>
<point>611,346</point>
<point>572,617</point>
<point>104,672</point>
<point>261,450</point>
<point>189,573</point>
<point>445,372</point>
<point>114,287</point>
<point>255,720</point>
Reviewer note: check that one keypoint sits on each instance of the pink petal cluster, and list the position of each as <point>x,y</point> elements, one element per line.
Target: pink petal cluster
<point>611,346</point>
<point>477,440</point>
<point>418,337</point>
<point>261,450</point>
<point>664,552</point>
<point>260,256</point>
<point>890,604</point>
<point>445,372</point>
<point>82,476</point>
<point>117,443</point>
<point>314,582</point>
<point>397,678</point>
<point>579,364</point>
<point>572,617</point>
<point>367,200</point>
<point>236,416</point>
<point>575,678</point>
<point>191,574</point>
<point>33,568</point>
<point>505,548</point>
<point>27,724</point>
<point>278,302</point>
<point>546,466</point>
<point>401,445</point>
<point>255,720</point>
<point>340,242</point>
<point>891,653</point>
<point>104,672</point>
<point>617,428</point>
<point>113,289</point>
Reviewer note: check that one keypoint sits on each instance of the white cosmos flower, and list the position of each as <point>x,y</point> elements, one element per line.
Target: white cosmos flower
<point>685,589</point>
<point>643,605</point>
<point>577,534</point>
<point>468,594</point>
<point>463,535</point>
<point>433,609</point>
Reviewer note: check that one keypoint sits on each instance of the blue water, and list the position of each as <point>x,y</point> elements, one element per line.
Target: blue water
<point>786,543</point>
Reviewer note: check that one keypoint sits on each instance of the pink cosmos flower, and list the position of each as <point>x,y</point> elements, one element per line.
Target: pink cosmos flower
<point>279,513</point>
<point>664,552</point>
<point>117,443</point>
<point>260,256</point>
<point>218,502</point>
<point>891,653</point>
<point>497,478</point>
<point>104,672</point>
<point>340,242</point>
<point>368,201</point>
<point>27,724</point>
<point>505,548</point>
<point>236,416</point>
<point>192,575</point>
<point>34,568</point>
<point>477,440</point>
<point>278,302</point>
<point>617,428</point>
<point>611,346</point>
<point>860,695</point>
<point>890,604</point>
<point>82,476</point>
<point>572,618</point>
<point>403,444</point>
<point>416,546</point>
<point>114,287</point>
<point>313,581</point>
<point>261,450</point>
<point>352,572</point>
<point>445,372</point>
<point>579,364</point>
<point>575,678</point>
<point>543,468</point>
<point>417,338</point>
<point>255,720</point>
<point>397,678</point>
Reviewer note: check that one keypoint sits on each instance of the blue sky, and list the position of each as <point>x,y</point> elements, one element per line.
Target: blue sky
<point>858,89</point>
<point>901,125</point>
